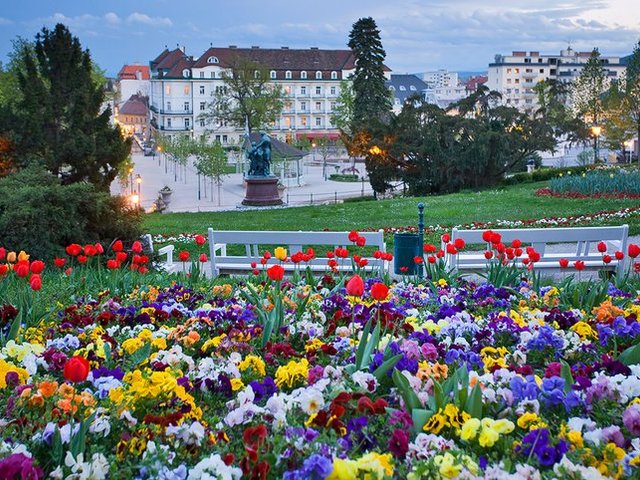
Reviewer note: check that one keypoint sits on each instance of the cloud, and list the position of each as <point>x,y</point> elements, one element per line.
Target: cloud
<point>145,19</point>
<point>112,18</point>
<point>5,21</point>
<point>79,21</point>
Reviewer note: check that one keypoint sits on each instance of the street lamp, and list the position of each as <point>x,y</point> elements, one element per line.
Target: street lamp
<point>135,199</point>
<point>131,180</point>
<point>596,130</point>
<point>138,181</point>
<point>375,150</point>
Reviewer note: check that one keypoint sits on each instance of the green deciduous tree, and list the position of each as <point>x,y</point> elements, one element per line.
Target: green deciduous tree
<point>248,98</point>
<point>342,115</point>
<point>59,121</point>
<point>210,161</point>
<point>553,98</point>
<point>632,91</point>
<point>372,99</point>
<point>587,92</point>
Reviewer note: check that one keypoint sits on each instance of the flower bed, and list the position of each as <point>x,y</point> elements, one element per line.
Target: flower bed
<point>342,378</point>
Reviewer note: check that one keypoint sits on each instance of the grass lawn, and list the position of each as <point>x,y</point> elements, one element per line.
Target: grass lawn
<point>508,203</point>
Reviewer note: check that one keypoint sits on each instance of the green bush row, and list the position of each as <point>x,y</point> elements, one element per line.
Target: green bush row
<point>41,216</point>
<point>543,174</point>
<point>609,181</point>
<point>344,177</point>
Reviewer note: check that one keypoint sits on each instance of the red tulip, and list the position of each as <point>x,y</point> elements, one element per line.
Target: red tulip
<point>4,268</point>
<point>487,235</point>
<point>200,240</point>
<point>21,269</point>
<point>459,243</point>
<point>68,271</point>
<point>516,243</point>
<point>37,266</point>
<point>256,271</point>
<point>113,264</point>
<point>35,282</point>
<point>73,249</point>
<point>634,250</point>
<point>446,238</point>
<point>117,246</point>
<point>579,265</point>
<point>203,258</point>
<point>361,241</point>
<point>518,252</point>
<point>90,250</point>
<point>363,262</point>
<point>418,260</point>
<point>275,273</point>
<point>619,255</point>
<point>183,256</point>
<point>59,262</point>
<point>332,263</point>
<point>606,258</point>
<point>3,253</point>
<point>431,259</point>
<point>379,291</point>
<point>82,259</point>
<point>136,247</point>
<point>143,270</point>
<point>99,248</point>
<point>602,247</point>
<point>254,264</point>
<point>266,255</point>
<point>121,257</point>
<point>488,255</point>
<point>353,236</point>
<point>496,237</point>
<point>564,263</point>
<point>429,248</point>
<point>451,249</point>
<point>76,369</point>
<point>355,286</point>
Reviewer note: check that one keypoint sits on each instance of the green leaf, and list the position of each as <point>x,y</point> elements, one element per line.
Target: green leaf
<point>387,365</point>
<point>420,417</point>
<point>266,332</point>
<point>565,373</point>
<point>631,356</point>
<point>140,355</point>
<point>362,345</point>
<point>473,406</point>
<point>438,394</point>
<point>410,398</point>
<point>15,328</point>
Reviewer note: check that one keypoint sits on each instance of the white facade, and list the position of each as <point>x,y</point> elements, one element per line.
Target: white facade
<point>177,103</point>
<point>127,88</point>
<point>517,74</point>
<point>440,79</point>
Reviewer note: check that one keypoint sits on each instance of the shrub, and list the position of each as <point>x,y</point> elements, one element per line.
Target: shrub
<point>543,174</point>
<point>41,216</point>
<point>344,177</point>
<point>612,181</point>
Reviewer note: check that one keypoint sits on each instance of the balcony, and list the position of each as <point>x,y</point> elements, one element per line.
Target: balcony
<point>530,75</point>
<point>174,129</point>
<point>155,109</point>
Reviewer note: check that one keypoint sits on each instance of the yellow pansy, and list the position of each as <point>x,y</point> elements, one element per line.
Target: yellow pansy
<point>343,470</point>
<point>470,429</point>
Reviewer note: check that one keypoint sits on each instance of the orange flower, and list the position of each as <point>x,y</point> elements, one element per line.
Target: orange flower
<point>36,401</point>
<point>47,389</point>
<point>606,312</point>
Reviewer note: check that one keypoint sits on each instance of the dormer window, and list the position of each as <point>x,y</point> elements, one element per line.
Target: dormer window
<point>273,74</point>
<point>212,59</point>
<point>256,74</point>
<point>303,75</point>
<point>318,75</point>
<point>392,88</point>
<point>334,75</point>
<point>402,88</point>
<point>287,74</point>
<point>412,88</point>
<point>186,73</point>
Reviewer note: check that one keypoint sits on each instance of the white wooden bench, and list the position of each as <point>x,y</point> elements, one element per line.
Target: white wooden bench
<point>255,243</point>
<point>553,244</point>
<point>167,251</point>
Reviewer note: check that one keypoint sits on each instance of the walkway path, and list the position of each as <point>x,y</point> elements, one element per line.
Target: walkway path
<point>188,196</point>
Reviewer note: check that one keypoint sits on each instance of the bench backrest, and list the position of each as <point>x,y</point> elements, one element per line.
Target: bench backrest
<point>255,243</point>
<point>584,238</point>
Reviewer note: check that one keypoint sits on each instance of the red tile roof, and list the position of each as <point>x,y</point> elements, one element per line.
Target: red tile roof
<point>178,68</point>
<point>130,72</point>
<point>170,59</point>
<point>136,105</point>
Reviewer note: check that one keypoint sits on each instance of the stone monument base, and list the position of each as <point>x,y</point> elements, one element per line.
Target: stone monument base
<point>261,192</point>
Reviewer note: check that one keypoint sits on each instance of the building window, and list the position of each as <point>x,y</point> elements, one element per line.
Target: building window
<point>412,88</point>
<point>187,123</point>
<point>303,121</point>
<point>318,122</point>
<point>318,90</point>
<point>186,106</point>
<point>542,70</point>
<point>273,74</point>
<point>167,89</point>
<point>334,75</point>
<point>318,106</point>
<point>218,138</point>
<point>201,74</point>
<point>202,106</point>
<point>303,90</point>
<point>303,75</point>
<point>202,122</point>
<point>186,90</point>
<point>287,74</point>
<point>224,139</point>
<point>168,106</point>
<point>517,81</point>
<point>287,90</point>
<point>508,70</point>
<point>318,75</point>
<point>186,73</point>
<point>508,80</point>
<point>256,74</point>
<point>213,74</point>
<point>201,89</point>
<point>303,106</point>
<point>403,88</point>
<point>517,70</point>
<point>212,59</point>
<point>333,105</point>
<point>168,123</point>
<point>333,90</point>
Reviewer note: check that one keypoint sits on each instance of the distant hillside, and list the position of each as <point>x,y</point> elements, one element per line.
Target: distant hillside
<point>464,76</point>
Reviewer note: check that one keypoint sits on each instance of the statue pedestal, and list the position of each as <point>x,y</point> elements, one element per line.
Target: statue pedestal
<point>261,192</point>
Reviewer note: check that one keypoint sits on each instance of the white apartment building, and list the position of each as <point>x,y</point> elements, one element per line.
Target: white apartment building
<point>515,75</point>
<point>132,80</point>
<point>440,78</point>
<point>182,88</point>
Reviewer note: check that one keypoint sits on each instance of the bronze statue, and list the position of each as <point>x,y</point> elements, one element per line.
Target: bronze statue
<point>260,157</point>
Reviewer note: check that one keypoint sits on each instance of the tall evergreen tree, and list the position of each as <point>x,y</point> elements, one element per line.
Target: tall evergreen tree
<point>372,100</point>
<point>632,90</point>
<point>60,121</point>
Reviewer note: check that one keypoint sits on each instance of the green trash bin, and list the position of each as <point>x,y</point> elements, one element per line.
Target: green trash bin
<point>406,246</point>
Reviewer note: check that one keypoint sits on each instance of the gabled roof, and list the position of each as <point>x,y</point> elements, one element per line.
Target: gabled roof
<point>401,85</point>
<point>130,72</point>
<point>170,59</point>
<point>178,68</point>
<point>279,149</point>
<point>160,57</point>
<point>136,105</point>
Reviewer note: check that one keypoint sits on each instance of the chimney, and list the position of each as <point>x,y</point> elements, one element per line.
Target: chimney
<point>138,75</point>
<point>233,46</point>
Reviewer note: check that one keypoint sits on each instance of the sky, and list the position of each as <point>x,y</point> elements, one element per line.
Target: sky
<point>418,35</point>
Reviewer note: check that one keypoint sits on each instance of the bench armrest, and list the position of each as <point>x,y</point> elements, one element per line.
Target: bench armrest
<point>168,251</point>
